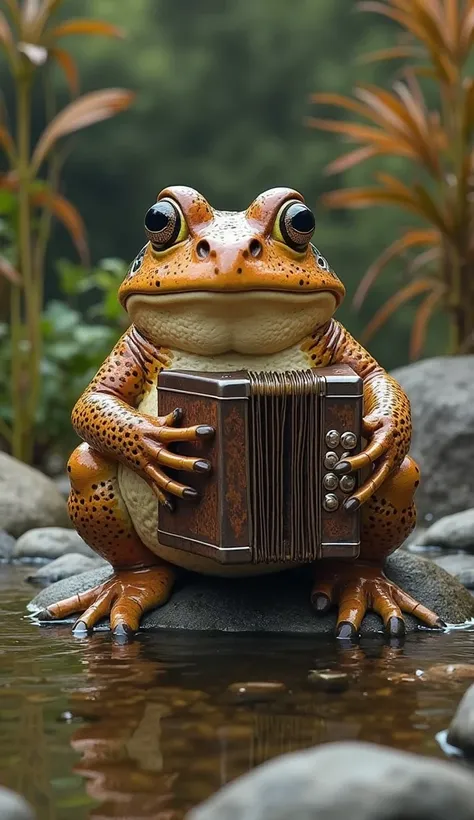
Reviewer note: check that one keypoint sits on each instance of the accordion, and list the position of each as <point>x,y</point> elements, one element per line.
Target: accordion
<point>272,495</point>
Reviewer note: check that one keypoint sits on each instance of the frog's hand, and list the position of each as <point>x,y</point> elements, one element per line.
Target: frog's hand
<point>387,519</point>
<point>387,414</point>
<point>107,419</point>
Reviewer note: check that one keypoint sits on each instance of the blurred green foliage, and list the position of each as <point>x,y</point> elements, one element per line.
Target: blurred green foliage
<point>223,90</point>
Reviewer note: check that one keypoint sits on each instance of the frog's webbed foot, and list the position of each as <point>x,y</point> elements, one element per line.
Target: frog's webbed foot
<point>358,588</point>
<point>126,596</point>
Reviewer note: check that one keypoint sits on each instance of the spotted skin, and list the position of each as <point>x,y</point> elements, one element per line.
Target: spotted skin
<point>225,253</point>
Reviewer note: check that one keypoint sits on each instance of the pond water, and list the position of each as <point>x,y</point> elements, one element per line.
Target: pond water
<point>92,729</point>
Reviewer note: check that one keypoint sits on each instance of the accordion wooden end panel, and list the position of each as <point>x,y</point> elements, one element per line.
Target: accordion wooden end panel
<point>272,496</point>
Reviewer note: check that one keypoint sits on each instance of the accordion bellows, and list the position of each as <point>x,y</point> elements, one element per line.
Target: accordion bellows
<point>271,496</point>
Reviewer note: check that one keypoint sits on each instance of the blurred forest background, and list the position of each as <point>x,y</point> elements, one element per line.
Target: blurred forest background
<point>222,100</point>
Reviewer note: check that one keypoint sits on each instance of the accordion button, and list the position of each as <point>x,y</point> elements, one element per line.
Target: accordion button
<point>330,460</point>
<point>349,440</point>
<point>330,481</point>
<point>330,502</point>
<point>347,483</point>
<point>332,438</point>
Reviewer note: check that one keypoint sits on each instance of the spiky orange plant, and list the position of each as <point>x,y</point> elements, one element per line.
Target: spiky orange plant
<point>439,143</point>
<point>31,42</point>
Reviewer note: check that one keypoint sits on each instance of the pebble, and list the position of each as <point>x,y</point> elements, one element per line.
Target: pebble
<point>329,681</point>
<point>49,543</point>
<point>256,691</point>
<point>14,807</point>
<point>65,567</point>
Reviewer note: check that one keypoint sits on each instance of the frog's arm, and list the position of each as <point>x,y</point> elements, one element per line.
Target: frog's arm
<point>387,415</point>
<point>106,416</point>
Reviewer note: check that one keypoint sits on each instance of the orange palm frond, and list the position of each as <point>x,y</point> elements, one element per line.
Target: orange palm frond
<point>393,53</point>
<point>68,215</point>
<point>421,322</point>
<point>85,26</point>
<point>396,301</point>
<point>68,67</point>
<point>347,161</point>
<point>423,259</point>
<point>87,110</point>
<point>410,239</point>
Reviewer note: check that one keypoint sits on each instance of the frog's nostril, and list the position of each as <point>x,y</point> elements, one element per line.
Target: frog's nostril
<point>203,249</point>
<point>255,247</point>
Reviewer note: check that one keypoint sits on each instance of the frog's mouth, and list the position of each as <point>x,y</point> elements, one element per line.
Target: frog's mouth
<point>213,322</point>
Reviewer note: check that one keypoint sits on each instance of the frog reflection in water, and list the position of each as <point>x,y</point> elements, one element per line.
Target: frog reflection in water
<point>224,291</point>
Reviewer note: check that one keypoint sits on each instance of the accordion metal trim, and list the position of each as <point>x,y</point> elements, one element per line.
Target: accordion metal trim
<point>226,524</point>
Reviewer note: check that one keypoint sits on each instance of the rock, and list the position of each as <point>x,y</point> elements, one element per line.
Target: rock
<point>441,392</point>
<point>256,691</point>
<point>28,498</point>
<point>65,567</point>
<point>446,673</point>
<point>7,544</point>
<point>49,543</point>
<point>452,532</point>
<point>279,602</point>
<point>14,807</point>
<point>336,781</point>
<point>328,681</point>
<point>460,565</point>
<point>461,731</point>
<point>63,484</point>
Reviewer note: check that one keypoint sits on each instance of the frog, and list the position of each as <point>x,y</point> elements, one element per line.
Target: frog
<point>215,291</point>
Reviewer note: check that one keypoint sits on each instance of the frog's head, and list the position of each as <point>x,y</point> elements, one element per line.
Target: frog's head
<point>209,282</point>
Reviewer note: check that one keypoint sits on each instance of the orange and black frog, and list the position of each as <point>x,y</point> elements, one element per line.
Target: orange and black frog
<point>224,291</point>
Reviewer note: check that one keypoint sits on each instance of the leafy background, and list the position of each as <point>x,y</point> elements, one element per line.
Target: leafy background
<point>223,97</point>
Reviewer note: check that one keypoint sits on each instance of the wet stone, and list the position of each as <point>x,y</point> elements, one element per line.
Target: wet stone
<point>337,781</point>
<point>461,731</point>
<point>65,567</point>
<point>256,691</point>
<point>452,532</point>
<point>328,681</point>
<point>49,543</point>
<point>14,807</point>
<point>7,545</point>
<point>448,672</point>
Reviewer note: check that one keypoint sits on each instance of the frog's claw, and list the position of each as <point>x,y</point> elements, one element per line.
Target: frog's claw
<point>357,588</point>
<point>126,596</point>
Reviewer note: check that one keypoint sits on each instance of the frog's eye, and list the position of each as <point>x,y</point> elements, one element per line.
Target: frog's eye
<point>165,224</point>
<point>294,225</point>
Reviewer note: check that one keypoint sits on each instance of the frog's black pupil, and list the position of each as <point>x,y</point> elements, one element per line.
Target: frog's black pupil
<point>158,217</point>
<point>301,218</point>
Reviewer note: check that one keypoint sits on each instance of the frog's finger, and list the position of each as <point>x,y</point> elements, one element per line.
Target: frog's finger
<point>172,418</point>
<point>352,608</point>
<point>163,456</point>
<point>63,609</point>
<point>168,485</point>
<point>169,434</point>
<point>374,451</point>
<point>98,610</point>
<point>385,606</point>
<point>368,488</point>
<point>413,607</point>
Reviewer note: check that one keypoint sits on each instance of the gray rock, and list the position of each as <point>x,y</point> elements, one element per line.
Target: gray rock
<point>63,484</point>
<point>66,567</point>
<point>7,544</point>
<point>461,731</point>
<point>49,543</point>
<point>340,780</point>
<point>441,392</point>
<point>28,499</point>
<point>279,602</point>
<point>14,807</point>
<point>460,565</point>
<point>452,532</point>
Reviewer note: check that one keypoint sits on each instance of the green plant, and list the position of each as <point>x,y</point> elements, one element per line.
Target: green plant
<point>77,334</point>
<point>30,40</point>
<point>438,42</point>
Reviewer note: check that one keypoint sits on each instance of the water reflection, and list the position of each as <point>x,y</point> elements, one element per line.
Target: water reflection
<point>91,729</point>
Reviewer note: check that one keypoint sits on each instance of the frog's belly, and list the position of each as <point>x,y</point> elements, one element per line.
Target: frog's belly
<point>140,500</point>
